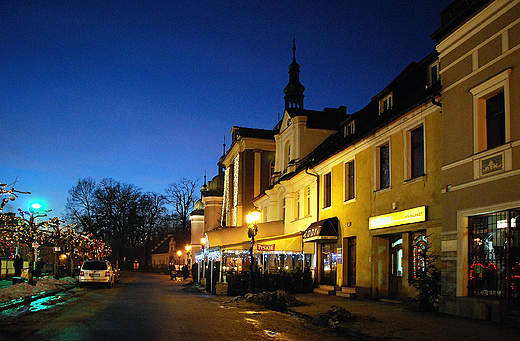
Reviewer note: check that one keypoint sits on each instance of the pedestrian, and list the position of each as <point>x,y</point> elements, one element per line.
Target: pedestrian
<point>18,265</point>
<point>185,271</point>
<point>39,267</point>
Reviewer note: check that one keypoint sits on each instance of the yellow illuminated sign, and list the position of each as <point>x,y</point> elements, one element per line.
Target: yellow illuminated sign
<point>412,215</point>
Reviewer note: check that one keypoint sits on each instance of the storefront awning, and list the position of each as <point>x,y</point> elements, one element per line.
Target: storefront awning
<point>326,229</point>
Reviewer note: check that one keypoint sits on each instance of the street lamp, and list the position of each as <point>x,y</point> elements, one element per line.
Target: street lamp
<point>188,255</point>
<point>179,253</point>
<point>252,229</point>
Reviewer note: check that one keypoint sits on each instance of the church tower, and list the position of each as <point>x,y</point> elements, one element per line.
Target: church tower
<point>294,90</point>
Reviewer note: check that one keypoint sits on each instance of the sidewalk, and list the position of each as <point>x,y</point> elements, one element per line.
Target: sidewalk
<point>392,320</point>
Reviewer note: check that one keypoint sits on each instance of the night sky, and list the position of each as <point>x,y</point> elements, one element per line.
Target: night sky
<point>144,92</point>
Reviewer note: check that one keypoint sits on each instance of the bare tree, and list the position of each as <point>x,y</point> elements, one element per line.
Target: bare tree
<point>182,196</point>
<point>116,213</point>
<point>81,204</point>
<point>152,213</point>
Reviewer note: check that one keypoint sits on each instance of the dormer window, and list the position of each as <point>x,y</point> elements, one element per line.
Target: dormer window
<point>349,129</point>
<point>385,104</point>
<point>434,73</point>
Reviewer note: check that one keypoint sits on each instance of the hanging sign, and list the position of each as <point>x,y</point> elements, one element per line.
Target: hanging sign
<point>265,247</point>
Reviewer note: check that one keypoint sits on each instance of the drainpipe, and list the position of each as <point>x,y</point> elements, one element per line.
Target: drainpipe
<point>439,104</point>
<point>317,193</point>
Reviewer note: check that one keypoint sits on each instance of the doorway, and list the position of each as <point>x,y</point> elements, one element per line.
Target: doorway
<point>396,267</point>
<point>328,264</point>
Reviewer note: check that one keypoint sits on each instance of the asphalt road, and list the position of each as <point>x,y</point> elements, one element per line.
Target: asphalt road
<point>152,307</point>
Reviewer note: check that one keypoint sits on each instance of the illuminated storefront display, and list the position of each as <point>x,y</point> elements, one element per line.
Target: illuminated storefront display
<point>413,215</point>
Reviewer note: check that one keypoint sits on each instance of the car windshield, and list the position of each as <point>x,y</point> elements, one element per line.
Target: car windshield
<point>94,266</point>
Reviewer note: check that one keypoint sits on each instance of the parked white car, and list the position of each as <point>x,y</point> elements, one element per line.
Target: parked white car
<point>97,271</point>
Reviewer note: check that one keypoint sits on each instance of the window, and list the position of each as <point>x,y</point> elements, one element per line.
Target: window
<point>495,121</point>
<point>385,104</point>
<point>419,248</point>
<point>383,166</point>
<point>493,254</point>
<point>349,181</point>
<point>308,201</point>
<point>327,190</point>
<point>349,129</point>
<point>297,206</point>
<point>434,74</point>
<point>416,152</point>
<point>491,115</point>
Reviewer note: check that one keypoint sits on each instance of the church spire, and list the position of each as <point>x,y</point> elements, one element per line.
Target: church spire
<point>294,90</point>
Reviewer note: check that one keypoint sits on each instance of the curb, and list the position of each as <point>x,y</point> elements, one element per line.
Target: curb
<point>29,299</point>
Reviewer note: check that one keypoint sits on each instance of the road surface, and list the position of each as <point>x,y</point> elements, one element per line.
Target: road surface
<point>152,307</point>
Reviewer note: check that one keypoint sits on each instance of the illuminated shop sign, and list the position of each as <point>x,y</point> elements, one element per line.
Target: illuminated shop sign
<point>264,247</point>
<point>413,215</point>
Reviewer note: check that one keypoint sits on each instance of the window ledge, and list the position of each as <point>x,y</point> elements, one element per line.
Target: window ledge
<point>383,190</point>
<point>416,179</point>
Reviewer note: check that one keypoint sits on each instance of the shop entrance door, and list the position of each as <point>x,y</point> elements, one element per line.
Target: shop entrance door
<point>351,269</point>
<point>329,264</point>
<point>396,267</point>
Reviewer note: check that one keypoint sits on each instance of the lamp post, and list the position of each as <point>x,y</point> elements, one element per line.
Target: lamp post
<point>188,255</point>
<point>179,254</point>
<point>203,245</point>
<point>252,229</point>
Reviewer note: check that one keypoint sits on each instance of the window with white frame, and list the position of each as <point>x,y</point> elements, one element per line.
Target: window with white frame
<point>349,129</point>
<point>491,115</point>
<point>383,166</point>
<point>385,104</point>
<point>327,190</point>
<point>350,192</point>
<point>415,154</point>
<point>308,201</point>
<point>297,206</point>
<point>434,73</point>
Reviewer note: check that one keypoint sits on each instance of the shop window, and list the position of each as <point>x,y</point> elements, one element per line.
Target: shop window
<point>491,112</point>
<point>327,190</point>
<point>494,251</point>
<point>419,248</point>
<point>349,181</point>
<point>383,166</point>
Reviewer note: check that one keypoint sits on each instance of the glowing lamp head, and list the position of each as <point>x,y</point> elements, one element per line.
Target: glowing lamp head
<point>179,253</point>
<point>188,247</point>
<point>253,216</point>
<point>203,241</point>
<point>36,206</point>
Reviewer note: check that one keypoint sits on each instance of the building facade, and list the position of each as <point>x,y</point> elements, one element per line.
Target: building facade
<point>479,48</point>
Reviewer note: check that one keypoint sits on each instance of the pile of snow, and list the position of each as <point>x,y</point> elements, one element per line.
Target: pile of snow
<point>274,300</point>
<point>21,290</point>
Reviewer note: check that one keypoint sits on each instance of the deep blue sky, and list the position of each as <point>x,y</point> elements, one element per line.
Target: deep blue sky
<point>145,91</point>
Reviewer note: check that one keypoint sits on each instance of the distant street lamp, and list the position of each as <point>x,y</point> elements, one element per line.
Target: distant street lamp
<point>188,254</point>
<point>179,254</point>
<point>252,229</point>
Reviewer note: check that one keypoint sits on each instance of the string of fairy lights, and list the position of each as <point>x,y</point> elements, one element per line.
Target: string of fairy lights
<point>27,230</point>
